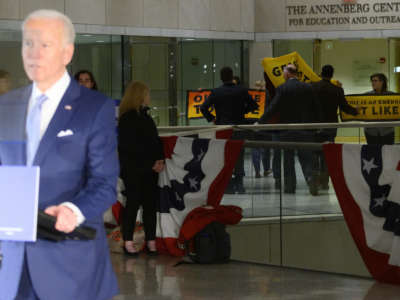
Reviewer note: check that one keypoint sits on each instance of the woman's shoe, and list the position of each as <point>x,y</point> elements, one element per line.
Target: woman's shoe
<point>151,244</point>
<point>131,254</point>
<point>151,252</point>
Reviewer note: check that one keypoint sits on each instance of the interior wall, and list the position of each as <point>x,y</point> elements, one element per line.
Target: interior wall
<point>222,15</point>
<point>355,60</point>
<point>321,245</point>
<point>394,61</point>
<point>258,51</point>
<point>304,47</point>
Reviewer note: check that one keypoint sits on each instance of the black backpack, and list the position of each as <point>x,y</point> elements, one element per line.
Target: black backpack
<point>211,245</point>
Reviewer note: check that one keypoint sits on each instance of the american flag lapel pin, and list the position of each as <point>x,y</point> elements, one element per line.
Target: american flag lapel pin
<point>68,107</point>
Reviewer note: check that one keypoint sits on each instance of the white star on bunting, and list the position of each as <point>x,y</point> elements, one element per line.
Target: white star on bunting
<point>369,165</point>
<point>193,183</point>
<point>379,201</point>
<point>200,156</point>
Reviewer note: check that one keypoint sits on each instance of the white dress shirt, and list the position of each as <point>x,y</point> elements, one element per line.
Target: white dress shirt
<point>49,107</point>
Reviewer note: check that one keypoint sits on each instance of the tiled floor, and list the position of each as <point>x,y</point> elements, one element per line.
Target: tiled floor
<point>263,200</point>
<point>158,278</point>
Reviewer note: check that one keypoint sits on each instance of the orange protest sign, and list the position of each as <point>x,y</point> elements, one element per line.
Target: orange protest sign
<point>196,98</point>
<point>259,97</point>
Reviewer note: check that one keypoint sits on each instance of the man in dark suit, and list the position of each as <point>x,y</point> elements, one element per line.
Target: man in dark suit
<point>294,102</point>
<point>330,97</point>
<point>231,102</point>
<point>69,132</point>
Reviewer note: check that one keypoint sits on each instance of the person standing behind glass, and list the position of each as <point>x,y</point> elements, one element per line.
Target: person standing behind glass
<point>141,159</point>
<point>379,135</point>
<point>231,103</point>
<point>330,97</point>
<point>86,78</point>
<point>295,102</point>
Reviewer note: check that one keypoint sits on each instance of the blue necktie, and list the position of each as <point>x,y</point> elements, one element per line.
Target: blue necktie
<point>33,129</point>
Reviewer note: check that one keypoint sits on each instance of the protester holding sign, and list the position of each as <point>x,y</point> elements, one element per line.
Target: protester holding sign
<point>379,135</point>
<point>330,97</point>
<point>295,103</point>
<point>231,102</point>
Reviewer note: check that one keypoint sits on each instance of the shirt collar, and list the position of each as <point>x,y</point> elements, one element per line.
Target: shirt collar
<point>56,91</point>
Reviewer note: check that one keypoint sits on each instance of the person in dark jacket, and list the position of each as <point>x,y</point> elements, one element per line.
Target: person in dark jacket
<point>141,159</point>
<point>231,102</point>
<point>294,102</point>
<point>330,97</point>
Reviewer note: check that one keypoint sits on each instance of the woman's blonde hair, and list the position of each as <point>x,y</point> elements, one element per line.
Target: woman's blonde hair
<point>134,96</point>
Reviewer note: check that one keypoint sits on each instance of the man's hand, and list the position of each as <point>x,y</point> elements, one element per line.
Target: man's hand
<point>158,166</point>
<point>66,218</point>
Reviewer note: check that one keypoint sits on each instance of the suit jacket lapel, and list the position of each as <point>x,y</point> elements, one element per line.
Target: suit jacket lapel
<point>59,121</point>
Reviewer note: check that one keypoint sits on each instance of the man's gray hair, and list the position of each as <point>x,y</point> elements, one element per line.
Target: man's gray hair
<point>69,30</point>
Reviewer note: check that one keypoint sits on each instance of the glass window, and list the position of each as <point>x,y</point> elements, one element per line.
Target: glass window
<point>149,63</point>
<point>169,66</point>
<point>11,60</point>
<point>199,65</point>
<point>101,55</point>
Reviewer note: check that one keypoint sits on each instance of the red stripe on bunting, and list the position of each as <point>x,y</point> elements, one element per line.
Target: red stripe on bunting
<point>218,186</point>
<point>169,145</point>
<point>376,262</point>
<point>224,134</point>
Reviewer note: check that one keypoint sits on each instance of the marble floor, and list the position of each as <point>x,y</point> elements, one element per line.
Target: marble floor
<point>157,278</point>
<point>263,200</point>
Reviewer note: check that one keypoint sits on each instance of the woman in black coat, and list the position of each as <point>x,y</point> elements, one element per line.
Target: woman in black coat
<point>141,158</point>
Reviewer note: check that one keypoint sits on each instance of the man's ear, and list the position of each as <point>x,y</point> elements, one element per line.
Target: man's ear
<point>68,53</point>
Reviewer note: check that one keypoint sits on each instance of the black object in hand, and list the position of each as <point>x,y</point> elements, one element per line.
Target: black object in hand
<point>46,230</point>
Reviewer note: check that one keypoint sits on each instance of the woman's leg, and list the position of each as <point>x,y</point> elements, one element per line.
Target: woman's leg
<point>130,211</point>
<point>150,197</point>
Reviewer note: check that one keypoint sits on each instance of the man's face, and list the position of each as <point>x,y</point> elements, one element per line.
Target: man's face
<point>44,51</point>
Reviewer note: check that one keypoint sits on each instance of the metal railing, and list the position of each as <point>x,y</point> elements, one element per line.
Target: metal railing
<point>192,130</point>
<point>283,126</point>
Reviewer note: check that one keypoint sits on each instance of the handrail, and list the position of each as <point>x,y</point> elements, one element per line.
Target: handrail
<point>285,126</point>
<point>192,132</point>
<point>283,145</point>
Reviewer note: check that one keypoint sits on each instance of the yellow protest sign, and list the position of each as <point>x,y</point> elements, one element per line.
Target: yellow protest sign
<point>196,98</point>
<point>374,107</point>
<point>273,67</point>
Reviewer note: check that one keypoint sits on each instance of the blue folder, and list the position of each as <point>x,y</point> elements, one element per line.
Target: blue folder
<point>19,194</point>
